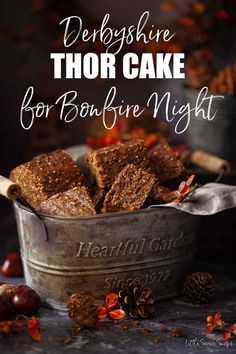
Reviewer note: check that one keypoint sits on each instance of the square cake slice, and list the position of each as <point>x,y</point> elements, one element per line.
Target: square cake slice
<point>74,202</point>
<point>165,163</point>
<point>129,191</point>
<point>47,175</point>
<point>106,163</point>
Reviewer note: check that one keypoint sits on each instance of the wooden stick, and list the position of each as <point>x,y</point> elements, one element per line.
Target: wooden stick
<point>209,162</point>
<point>8,188</point>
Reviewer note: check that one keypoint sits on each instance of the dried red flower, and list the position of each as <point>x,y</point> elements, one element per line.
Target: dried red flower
<point>151,140</point>
<point>34,329</point>
<point>14,326</point>
<point>218,320</point>
<point>117,314</point>
<point>184,189</point>
<point>210,328</point>
<point>210,319</point>
<point>111,300</point>
<point>233,328</point>
<point>102,312</point>
<point>110,308</point>
<point>226,335</point>
<point>216,323</point>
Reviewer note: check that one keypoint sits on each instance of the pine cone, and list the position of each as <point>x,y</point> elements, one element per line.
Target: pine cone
<point>198,287</point>
<point>136,301</point>
<point>82,309</point>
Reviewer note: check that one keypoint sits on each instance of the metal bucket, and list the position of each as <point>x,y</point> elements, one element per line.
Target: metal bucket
<point>217,136</point>
<point>99,253</point>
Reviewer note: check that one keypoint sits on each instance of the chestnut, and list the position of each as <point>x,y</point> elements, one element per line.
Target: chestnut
<point>8,291</point>
<point>12,266</point>
<point>26,301</point>
<point>5,308</point>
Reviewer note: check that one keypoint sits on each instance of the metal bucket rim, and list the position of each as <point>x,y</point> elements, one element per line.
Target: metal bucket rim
<point>18,205</point>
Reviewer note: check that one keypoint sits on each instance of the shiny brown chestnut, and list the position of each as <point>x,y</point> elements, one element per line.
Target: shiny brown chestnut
<point>12,266</point>
<point>26,301</point>
<point>5,308</point>
<point>8,291</point>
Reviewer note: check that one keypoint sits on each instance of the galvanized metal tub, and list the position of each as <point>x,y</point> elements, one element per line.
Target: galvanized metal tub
<point>99,253</point>
<point>217,136</point>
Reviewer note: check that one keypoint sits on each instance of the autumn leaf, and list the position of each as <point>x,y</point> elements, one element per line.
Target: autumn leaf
<point>233,328</point>
<point>218,320</point>
<point>117,314</point>
<point>226,335</point>
<point>183,190</point>
<point>210,328</point>
<point>34,329</point>
<point>102,312</point>
<point>5,326</point>
<point>111,300</point>
<point>151,140</point>
<point>190,180</point>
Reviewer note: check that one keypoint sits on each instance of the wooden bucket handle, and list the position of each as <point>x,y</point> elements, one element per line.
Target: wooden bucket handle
<point>209,162</point>
<point>9,189</point>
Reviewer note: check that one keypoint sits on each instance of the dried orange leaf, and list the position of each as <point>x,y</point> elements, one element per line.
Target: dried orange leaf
<point>34,329</point>
<point>226,336</point>
<point>35,334</point>
<point>117,314</point>
<point>210,328</point>
<point>183,188</point>
<point>233,328</point>
<point>190,180</point>
<point>111,300</point>
<point>102,312</point>
<point>151,139</point>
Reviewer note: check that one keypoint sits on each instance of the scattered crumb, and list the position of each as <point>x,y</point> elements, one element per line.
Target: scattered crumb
<point>66,340</point>
<point>76,330</point>
<point>135,323</point>
<point>164,329</point>
<point>157,339</point>
<point>177,332</point>
<point>124,326</point>
<point>147,330</point>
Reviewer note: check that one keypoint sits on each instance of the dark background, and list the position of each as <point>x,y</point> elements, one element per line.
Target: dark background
<point>29,31</point>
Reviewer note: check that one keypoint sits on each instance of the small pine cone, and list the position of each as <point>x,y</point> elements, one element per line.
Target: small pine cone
<point>82,309</point>
<point>136,301</point>
<point>198,287</point>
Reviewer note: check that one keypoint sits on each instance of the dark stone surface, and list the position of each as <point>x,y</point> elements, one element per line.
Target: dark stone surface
<point>109,337</point>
